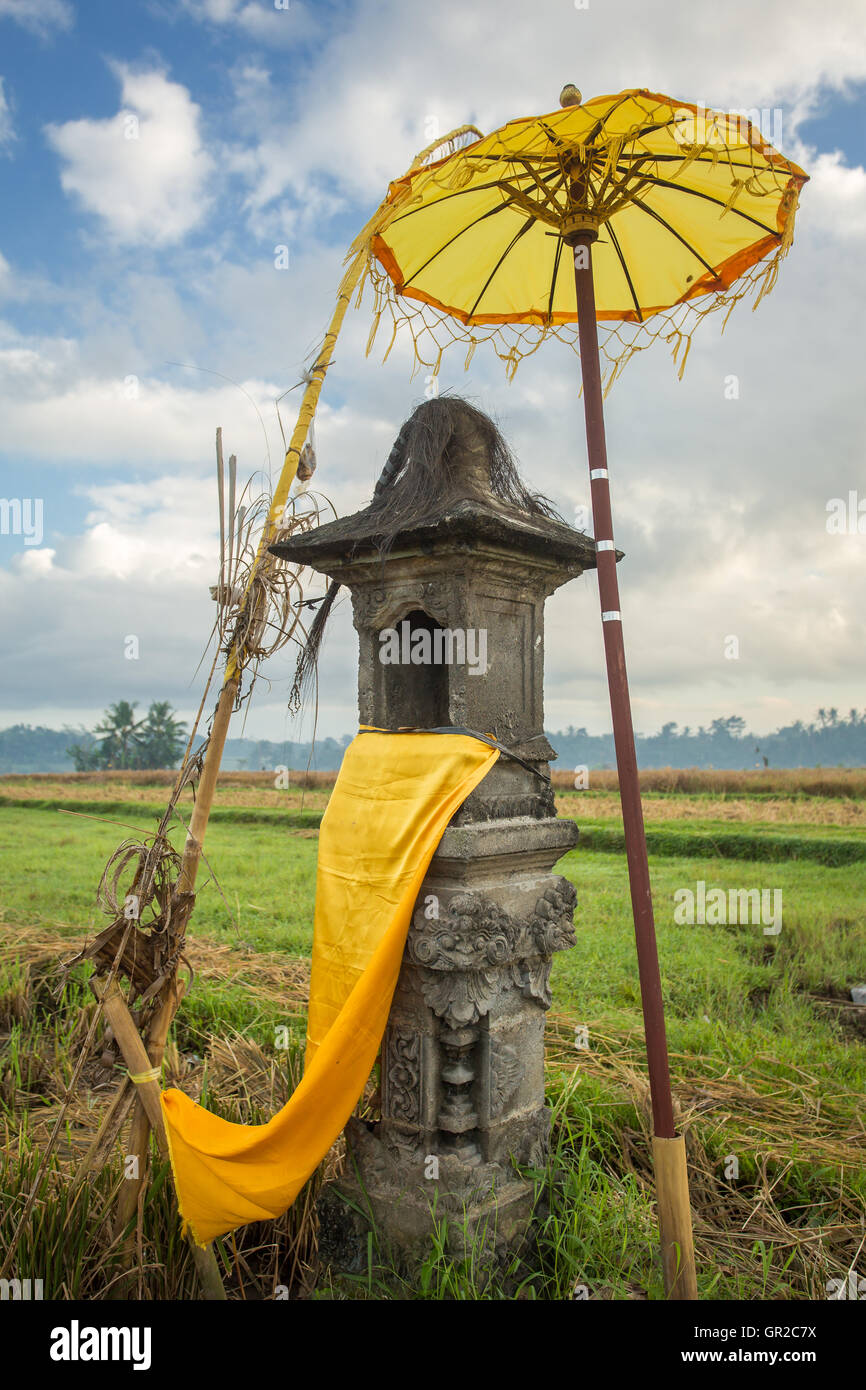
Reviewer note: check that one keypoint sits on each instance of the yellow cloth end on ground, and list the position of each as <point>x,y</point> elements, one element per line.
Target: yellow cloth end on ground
<point>392,800</point>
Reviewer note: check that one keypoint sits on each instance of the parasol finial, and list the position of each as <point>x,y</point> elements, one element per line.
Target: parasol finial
<point>569,96</point>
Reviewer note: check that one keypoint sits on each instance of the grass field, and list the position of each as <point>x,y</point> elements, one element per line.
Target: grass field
<point>768,1052</point>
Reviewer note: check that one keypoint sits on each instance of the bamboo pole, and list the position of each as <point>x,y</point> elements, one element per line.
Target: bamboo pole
<point>138,1146</point>
<point>132,1049</point>
<point>192,851</point>
<point>145,1116</point>
<point>307,409</point>
<point>124,1097</point>
<point>145,1078</point>
<point>140,1129</point>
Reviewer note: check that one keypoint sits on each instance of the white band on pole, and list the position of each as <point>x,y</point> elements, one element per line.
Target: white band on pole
<point>613,616</point>
<point>598,473</point>
<point>604,545</point>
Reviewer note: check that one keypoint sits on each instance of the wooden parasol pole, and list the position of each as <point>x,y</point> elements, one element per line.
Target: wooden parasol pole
<point>669,1154</point>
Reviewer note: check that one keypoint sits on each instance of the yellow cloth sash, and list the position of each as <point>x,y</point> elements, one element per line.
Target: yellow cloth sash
<point>393,798</point>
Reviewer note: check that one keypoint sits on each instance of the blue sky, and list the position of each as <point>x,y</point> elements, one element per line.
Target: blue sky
<point>262,127</point>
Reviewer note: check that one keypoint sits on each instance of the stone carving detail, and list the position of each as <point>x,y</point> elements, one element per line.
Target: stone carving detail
<point>403,1074</point>
<point>475,934</point>
<point>457,1116</point>
<point>551,929</point>
<point>366,606</point>
<point>536,1141</point>
<point>551,922</point>
<point>377,608</point>
<point>403,1147</point>
<point>532,978</point>
<point>506,1071</point>
<point>462,998</point>
<point>477,950</point>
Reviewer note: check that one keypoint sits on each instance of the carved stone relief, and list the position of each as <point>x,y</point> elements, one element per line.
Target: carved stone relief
<point>478,950</point>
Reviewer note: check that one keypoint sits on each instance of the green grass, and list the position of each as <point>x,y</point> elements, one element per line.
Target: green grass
<point>711,969</point>
<point>263,882</point>
<point>740,1012</point>
<point>264,885</point>
<point>770,843</point>
<point>257,883</point>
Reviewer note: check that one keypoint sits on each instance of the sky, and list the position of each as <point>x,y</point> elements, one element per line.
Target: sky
<point>154,156</point>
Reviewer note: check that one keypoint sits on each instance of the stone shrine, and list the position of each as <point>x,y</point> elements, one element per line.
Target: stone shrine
<point>462,1063</point>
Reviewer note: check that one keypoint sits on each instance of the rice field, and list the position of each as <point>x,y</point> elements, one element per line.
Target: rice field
<point>768,1051</point>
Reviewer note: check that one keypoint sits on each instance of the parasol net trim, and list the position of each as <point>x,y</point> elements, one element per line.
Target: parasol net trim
<point>432,332</point>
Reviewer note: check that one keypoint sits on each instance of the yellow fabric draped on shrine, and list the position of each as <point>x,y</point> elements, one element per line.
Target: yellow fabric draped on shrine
<point>393,798</point>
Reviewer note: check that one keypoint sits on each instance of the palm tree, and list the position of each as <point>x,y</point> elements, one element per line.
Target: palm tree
<point>163,737</point>
<point>119,734</point>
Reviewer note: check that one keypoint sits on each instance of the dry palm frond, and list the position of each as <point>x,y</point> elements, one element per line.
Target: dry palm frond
<point>259,601</point>
<point>435,462</point>
<point>259,597</point>
<point>158,910</point>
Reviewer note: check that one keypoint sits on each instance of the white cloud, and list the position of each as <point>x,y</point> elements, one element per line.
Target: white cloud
<point>33,563</point>
<point>719,505</point>
<point>142,421</point>
<point>275,22</point>
<point>358,114</point>
<point>7,129</point>
<point>141,565</point>
<point>836,194</point>
<point>45,18</point>
<point>144,171</point>
<point>146,555</point>
<point>154,531</point>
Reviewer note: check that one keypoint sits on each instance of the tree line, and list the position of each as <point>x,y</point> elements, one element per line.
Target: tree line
<point>829,740</point>
<point>124,739</point>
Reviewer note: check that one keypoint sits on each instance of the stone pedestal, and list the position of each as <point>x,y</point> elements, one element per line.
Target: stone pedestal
<point>462,1069</point>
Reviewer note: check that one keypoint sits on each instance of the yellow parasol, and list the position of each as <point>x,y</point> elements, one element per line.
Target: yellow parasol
<point>692,209</point>
<point>639,213</point>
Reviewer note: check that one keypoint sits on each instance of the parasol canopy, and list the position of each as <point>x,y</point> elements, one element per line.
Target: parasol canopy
<point>694,210</point>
